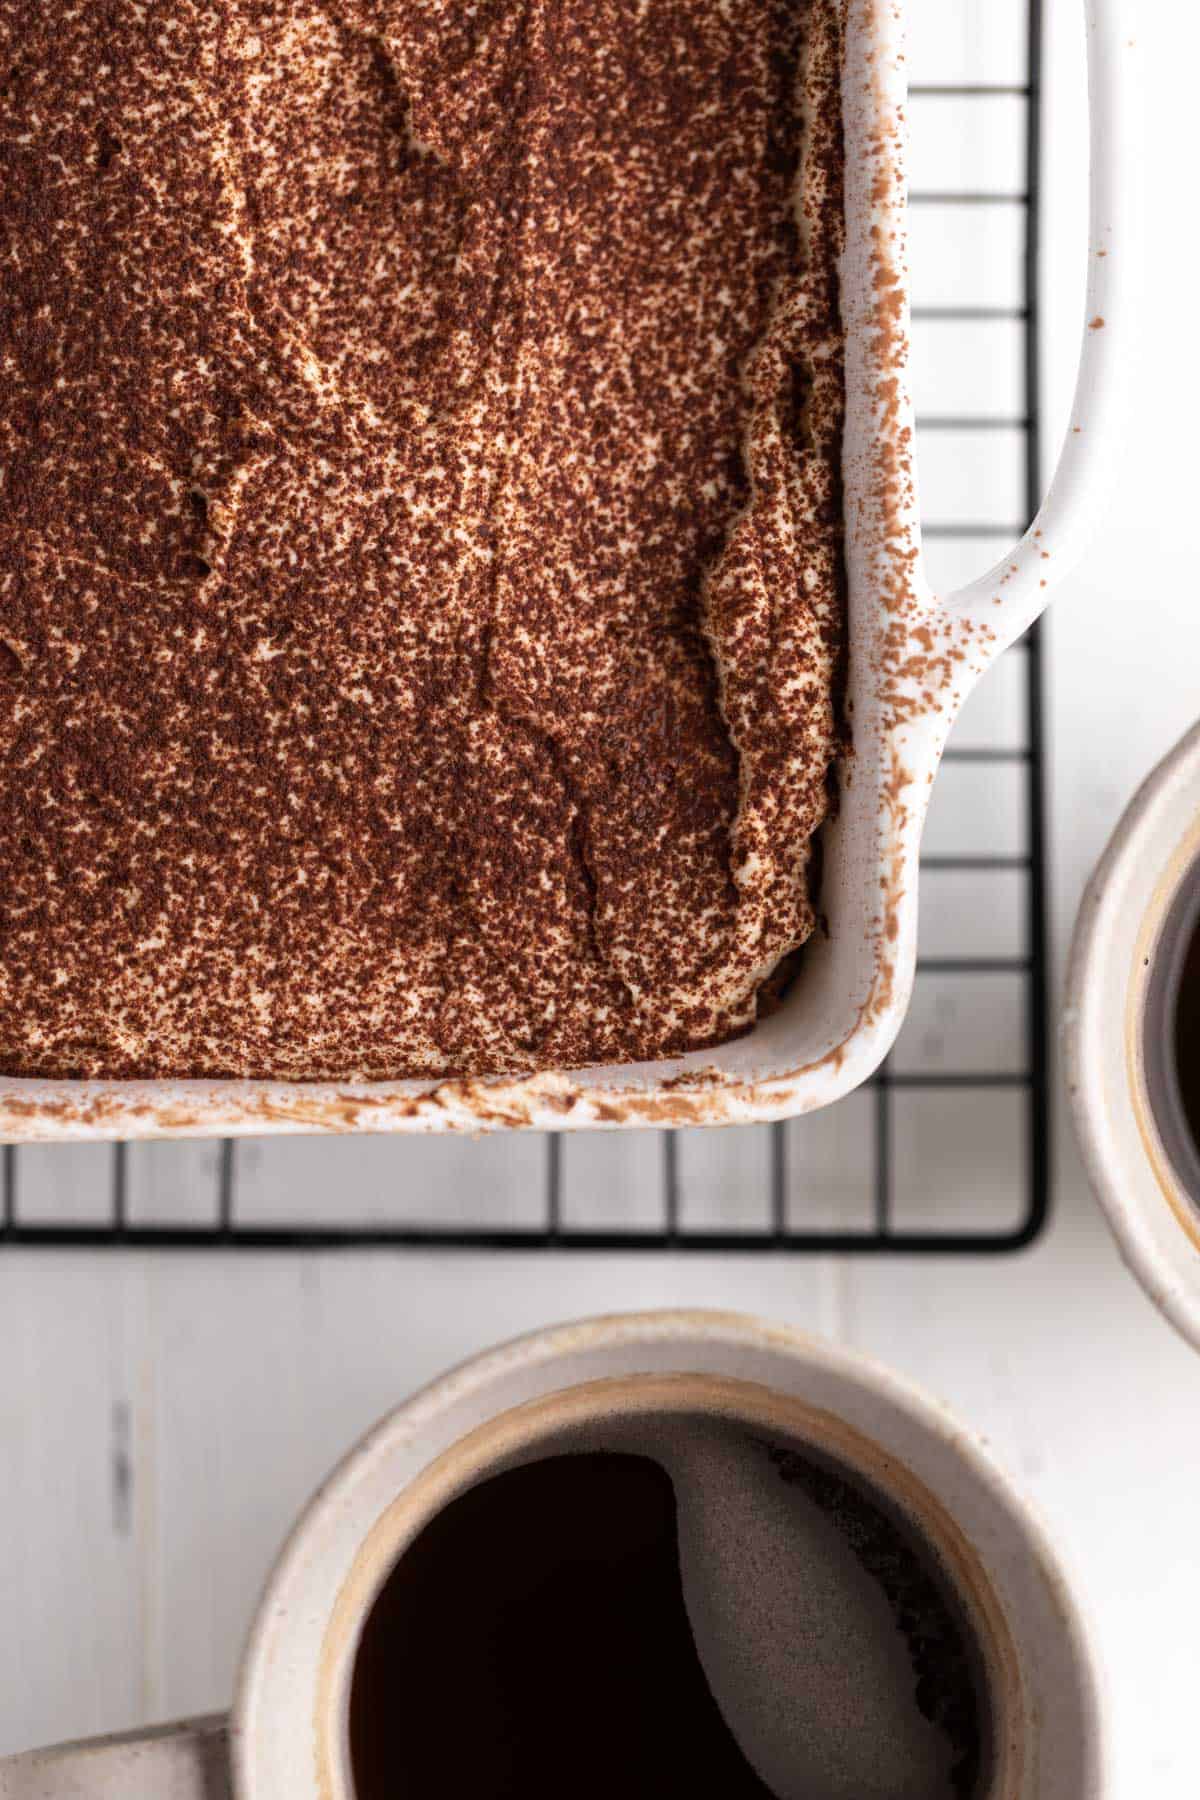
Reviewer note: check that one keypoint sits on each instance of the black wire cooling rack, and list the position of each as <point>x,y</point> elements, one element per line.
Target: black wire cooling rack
<point>757,1207</point>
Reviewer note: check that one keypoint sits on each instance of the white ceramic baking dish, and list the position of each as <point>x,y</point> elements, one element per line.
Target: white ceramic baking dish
<point>914,656</point>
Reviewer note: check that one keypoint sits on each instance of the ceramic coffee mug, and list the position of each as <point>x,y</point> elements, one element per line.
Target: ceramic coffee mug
<point>804,1654</point>
<point>1139,914</point>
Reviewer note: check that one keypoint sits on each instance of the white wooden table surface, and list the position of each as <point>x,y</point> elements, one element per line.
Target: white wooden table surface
<point>161,1419</point>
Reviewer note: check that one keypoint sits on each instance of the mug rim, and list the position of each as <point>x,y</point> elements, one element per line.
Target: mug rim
<point>275,1735</point>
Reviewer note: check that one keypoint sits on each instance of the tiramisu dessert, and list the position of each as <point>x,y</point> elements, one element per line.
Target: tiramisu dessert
<point>420,553</point>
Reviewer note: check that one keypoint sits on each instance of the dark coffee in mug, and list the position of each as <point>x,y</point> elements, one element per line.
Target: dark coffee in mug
<point>1187,1031</point>
<point>585,1625</point>
<point>1171,1033</point>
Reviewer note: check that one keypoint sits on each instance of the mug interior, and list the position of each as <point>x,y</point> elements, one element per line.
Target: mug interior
<point>1162,1030</point>
<point>727,1446</point>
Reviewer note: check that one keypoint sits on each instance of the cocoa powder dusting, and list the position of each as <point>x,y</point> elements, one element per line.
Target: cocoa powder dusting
<point>420,607</point>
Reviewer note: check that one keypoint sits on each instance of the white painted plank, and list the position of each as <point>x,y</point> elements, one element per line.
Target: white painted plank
<point>961,145</point>
<point>959,1159</point>
<point>70,1592</point>
<point>829,1159</point>
<point>968,367</point>
<point>973,912</point>
<point>977,810</point>
<point>967,40</point>
<point>237,1341</point>
<point>494,1181</point>
<point>966,255</point>
<point>613,1181</point>
<point>970,477</point>
<point>964,1024</point>
<point>725,1178</point>
<point>64,1184</point>
<point>172,1183</point>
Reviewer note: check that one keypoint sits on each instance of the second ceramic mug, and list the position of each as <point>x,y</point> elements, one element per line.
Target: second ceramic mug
<point>1139,915</point>
<point>613,1381</point>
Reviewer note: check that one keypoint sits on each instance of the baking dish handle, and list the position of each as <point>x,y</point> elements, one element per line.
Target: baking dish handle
<point>1010,596</point>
